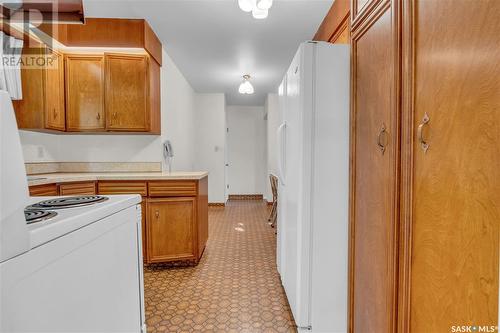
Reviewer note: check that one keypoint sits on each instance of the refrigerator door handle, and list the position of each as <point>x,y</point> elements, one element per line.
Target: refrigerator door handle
<point>281,152</point>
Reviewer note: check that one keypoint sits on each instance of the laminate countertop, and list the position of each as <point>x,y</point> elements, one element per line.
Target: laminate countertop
<point>50,178</point>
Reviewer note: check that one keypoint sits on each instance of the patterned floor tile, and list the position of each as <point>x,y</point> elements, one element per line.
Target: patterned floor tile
<point>234,288</point>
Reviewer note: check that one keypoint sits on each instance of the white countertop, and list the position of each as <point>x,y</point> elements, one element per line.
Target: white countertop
<point>50,178</point>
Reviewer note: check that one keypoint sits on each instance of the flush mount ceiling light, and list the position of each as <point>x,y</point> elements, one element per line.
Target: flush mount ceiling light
<point>264,4</point>
<point>259,8</point>
<point>247,5</point>
<point>246,87</point>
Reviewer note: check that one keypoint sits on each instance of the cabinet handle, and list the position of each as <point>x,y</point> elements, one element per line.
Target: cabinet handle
<point>157,214</point>
<point>114,114</point>
<point>54,113</point>
<point>420,134</point>
<point>380,144</point>
<point>98,117</point>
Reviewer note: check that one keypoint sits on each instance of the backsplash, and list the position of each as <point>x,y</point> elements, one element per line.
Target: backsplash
<point>52,167</point>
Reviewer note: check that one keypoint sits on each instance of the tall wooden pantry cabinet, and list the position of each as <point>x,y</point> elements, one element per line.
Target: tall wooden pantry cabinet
<point>425,173</point>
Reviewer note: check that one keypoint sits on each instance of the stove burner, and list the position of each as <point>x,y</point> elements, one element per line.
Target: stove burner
<point>68,202</point>
<point>34,216</point>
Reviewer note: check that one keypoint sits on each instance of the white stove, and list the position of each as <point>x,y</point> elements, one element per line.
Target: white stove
<point>67,264</point>
<point>69,219</point>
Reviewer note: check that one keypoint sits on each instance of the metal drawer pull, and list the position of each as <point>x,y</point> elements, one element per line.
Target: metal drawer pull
<point>98,116</point>
<point>380,144</point>
<point>157,214</point>
<point>423,143</point>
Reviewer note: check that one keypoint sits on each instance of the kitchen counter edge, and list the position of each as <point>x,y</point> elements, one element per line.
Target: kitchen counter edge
<point>59,178</point>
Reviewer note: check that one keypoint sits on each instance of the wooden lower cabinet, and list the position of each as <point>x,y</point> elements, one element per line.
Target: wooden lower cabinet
<point>171,229</point>
<point>174,213</point>
<point>174,216</point>
<point>110,187</point>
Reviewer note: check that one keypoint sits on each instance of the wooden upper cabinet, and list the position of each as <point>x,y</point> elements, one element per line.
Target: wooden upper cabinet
<point>127,92</point>
<point>85,93</point>
<point>54,94</point>
<point>374,182</point>
<point>42,105</point>
<point>100,92</point>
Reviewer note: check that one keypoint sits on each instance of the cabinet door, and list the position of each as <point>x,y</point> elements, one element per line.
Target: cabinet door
<point>171,233</point>
<point>85,93</point>
<point>456,183</point>
<point>374,139</point>
<point>127,92</point>
<point>55,117</point>
<point>144,229</point>
<point>30,111</point>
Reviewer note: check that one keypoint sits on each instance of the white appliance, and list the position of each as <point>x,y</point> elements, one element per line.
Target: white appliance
<point>73,269</point>
<point>313,163</point>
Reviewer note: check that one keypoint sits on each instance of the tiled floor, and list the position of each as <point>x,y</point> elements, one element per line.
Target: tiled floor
<point>235,287</point>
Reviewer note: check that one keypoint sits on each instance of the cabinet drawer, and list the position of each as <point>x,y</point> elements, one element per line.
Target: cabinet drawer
<point>84,188</point>
<point>122,187</point>
<point>44,190</point>
<point>172,188</point>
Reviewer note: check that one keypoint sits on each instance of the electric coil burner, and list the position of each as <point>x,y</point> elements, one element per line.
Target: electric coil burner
<point>34,216</point>
<point>67,202</point>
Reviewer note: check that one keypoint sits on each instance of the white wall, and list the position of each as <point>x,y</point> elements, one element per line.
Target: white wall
<point>247,146</point>
<point>178,125</point>
<point>273,122</point>
<point>210,142</point>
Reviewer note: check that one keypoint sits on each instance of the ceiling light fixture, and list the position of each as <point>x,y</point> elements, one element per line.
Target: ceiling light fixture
<point>264,4</point>
<point>247,5</point>
<point>246,87</point>
<point>259,8</point>
<point>259,14</point>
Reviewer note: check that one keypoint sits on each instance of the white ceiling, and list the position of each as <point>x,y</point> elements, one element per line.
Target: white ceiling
<point>214,43</point>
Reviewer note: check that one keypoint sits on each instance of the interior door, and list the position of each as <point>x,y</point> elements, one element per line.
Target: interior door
<point>291,142</point>
<point>85,93</point>
<point>127,92</point>
<point>374,146</point>
<point>456,182</point>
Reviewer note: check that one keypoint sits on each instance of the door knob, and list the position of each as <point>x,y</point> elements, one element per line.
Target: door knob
<point>420,133</point>
<point>382,144</point>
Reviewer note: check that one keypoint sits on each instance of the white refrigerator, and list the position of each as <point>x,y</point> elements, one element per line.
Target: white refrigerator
<point>313,172</point>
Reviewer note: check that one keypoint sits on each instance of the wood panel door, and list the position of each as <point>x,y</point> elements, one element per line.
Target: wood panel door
<point>127,92</point>
<point>374,154</point>
<point>85,93</point>
<point>171,229</point>
<point>55,115</point>
<point>456,183</point>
